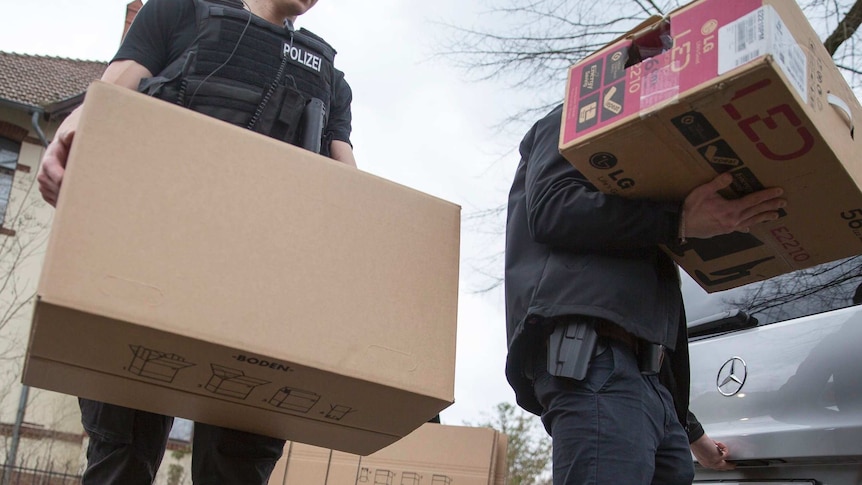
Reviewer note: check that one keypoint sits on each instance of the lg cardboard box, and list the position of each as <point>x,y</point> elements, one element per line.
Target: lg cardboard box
<point>200,270</point>
<point>744,87</point>
<point>433,454</point>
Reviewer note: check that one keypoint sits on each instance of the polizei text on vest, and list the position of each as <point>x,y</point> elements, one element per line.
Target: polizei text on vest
<point>301,56</point>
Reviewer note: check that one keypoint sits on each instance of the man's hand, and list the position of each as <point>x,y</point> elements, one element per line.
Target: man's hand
<point>125,73</point>
<point>711,454</point>
<point>53,166</point>
<point>705,213</point>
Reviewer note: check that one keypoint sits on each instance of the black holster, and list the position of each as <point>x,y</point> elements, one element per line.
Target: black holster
<point>571,346</point>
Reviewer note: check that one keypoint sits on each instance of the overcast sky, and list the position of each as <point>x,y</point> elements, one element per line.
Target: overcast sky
<point>417,121</point>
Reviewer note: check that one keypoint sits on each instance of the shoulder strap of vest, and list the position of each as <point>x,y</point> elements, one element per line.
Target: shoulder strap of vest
<point>226,3</point>
<point>311,35</point>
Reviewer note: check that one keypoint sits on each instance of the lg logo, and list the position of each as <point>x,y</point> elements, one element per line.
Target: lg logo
<point>603,160</point>
<point>607,161</point>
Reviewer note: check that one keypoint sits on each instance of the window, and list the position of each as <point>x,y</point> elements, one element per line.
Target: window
<point>9,150</point>
<point>822,288</point>
<point>182,430</point>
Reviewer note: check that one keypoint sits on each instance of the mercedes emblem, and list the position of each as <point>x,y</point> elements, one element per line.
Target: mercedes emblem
<point>731,376</point>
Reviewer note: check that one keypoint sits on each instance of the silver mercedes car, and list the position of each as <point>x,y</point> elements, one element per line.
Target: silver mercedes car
<point>776,374</point>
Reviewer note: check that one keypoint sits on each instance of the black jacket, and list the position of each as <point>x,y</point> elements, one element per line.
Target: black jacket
<point>571,249</point>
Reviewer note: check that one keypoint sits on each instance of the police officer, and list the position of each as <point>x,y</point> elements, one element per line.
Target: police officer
<point>243,62</point>
<point>595,319</point>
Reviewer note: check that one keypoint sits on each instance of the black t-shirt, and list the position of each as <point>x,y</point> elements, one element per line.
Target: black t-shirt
<point>164,29</point>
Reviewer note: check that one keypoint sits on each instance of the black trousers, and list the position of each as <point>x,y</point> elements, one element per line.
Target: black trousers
<point>127,445</point>
<point>614,427</point>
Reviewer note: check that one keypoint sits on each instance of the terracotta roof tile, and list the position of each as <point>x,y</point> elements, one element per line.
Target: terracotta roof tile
<point>41,81</point>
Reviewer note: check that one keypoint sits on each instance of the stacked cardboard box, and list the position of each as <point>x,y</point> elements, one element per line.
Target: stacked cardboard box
<point>433,455</point>
<point>197,269</point>
<point>744,87</point>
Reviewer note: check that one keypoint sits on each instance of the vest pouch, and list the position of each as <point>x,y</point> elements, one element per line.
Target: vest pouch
<point>159,87</point>
<point>282,114</point>
<point>168,84</point>
<point>223,99</point>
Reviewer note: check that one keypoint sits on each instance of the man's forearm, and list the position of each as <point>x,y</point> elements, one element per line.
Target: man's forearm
<point>342,152</point>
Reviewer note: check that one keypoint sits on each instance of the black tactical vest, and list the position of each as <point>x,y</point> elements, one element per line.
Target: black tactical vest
<point>249,72</point>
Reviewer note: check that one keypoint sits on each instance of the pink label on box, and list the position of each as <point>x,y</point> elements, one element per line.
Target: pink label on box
<point>606,91</point>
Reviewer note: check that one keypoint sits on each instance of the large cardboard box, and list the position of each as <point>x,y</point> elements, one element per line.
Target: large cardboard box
<point>744,87</point>
<point>433,454</point>
<point>200,270</point>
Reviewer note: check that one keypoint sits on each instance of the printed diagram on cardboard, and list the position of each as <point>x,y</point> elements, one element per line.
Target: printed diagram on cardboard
<point>384,477</point>
<point>337,412</point>
<point>388,477</point>
<point>294,399</point>
<point>154,364</point>
<point>226,381</point>
<point>410,478</point>
<point>302,402</point>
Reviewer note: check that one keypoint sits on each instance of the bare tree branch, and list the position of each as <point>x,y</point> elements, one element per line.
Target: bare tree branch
<point>850,69</point>
<point>846,28</point>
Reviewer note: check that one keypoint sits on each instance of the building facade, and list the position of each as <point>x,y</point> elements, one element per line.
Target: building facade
<point>41,437</point>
